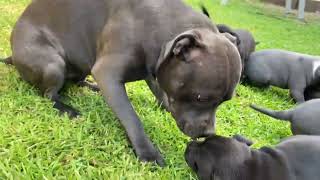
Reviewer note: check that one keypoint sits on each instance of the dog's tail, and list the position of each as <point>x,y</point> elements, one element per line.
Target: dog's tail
<point>7,60</point>
<point>257,43</point>
<point>282,115</point>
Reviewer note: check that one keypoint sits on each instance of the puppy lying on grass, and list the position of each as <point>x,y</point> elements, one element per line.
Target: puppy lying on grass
<point>300,73</point>
<point>222,158</point>
<point>304,118</point>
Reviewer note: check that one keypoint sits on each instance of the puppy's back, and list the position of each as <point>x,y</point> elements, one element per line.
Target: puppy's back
<point>303,155</point>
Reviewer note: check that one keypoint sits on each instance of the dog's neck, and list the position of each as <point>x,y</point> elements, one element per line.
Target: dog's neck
<point>152,67</point>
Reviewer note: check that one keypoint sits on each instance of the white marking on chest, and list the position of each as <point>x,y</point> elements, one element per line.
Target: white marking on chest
<point>200,63</point>
<point>315,66</point>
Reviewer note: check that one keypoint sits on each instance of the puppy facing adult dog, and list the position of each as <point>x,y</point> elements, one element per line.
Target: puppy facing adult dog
<point>221,158</point>
<point>285,69</point>
<point>164,42</point>
<point>304,119</point>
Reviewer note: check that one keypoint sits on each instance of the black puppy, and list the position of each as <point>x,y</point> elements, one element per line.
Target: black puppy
<point>221,158</point>
<point>300,73</point>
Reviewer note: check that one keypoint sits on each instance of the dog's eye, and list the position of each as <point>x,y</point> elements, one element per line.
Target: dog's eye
<point>202,98</point>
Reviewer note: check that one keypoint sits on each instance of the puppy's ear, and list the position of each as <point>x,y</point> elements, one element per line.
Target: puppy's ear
<point>231,38</point>
<point>242,139</point>
<point>180,47</point>
<point>226,29</point>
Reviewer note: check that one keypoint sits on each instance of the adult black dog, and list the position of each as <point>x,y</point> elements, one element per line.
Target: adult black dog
<point>120,41</point>
<point>304,118</point>
<point>285,69</point>
<point>221,158</point>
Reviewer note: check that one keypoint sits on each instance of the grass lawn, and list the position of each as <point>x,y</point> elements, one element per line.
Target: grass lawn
<point>37,143</point>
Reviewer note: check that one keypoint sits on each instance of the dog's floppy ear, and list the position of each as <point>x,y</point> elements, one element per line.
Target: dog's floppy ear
<point>179,46</point>
<point>242,139</point>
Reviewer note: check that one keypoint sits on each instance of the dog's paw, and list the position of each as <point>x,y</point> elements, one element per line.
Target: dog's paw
<point>150,154</point>
<point>73,113</point>
<point>63,108</point>
<point>153,157</point>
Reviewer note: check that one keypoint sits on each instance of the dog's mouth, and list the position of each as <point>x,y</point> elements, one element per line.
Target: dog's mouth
<point>199,139</point>
<point>202,137</point>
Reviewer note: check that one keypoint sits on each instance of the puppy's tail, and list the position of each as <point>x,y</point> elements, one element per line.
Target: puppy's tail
<point>282,115</point>
<point>204,10</point>
<point>7,60</point>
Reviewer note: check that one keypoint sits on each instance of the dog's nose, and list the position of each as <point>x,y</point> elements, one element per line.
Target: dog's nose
<point>204,123</point>
<point>201,128</point>
<point>209,132</point>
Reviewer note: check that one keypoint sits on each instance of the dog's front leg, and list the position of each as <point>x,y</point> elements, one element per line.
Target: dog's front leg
<point>108,78</point>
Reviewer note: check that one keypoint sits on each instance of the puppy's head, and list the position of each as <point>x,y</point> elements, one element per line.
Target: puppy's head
<point>217,157</point>
<point>198,70</point>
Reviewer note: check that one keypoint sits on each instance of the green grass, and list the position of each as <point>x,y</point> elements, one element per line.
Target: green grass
<point>37,143</point>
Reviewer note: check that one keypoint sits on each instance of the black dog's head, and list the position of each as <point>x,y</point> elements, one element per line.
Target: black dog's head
<point>198,70</point>
<point>217,157</point>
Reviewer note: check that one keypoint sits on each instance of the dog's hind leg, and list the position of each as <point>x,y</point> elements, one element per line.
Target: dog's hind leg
<point>53,80</point>
<point>45,69</point>
<point>297,87</point>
